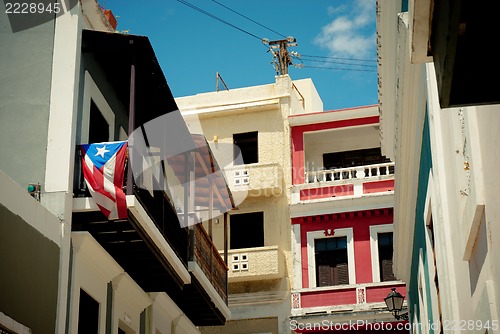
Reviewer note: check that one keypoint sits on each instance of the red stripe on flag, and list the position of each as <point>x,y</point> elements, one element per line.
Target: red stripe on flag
<point>121,200</point>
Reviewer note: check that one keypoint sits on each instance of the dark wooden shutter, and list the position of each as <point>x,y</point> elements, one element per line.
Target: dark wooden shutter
<point>341,274</point>
<point>387,273</point>
<point>325,275</point>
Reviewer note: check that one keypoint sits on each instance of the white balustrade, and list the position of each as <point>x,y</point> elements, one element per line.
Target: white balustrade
<point>358,172</point>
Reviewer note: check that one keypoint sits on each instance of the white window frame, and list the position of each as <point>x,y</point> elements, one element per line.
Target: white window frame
<point>339,232</point>
<point>92,93</point>
<point>374,231</point>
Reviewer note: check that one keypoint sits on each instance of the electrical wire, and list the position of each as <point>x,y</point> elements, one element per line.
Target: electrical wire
<point>246,17</point>
<point>339,63</point>
<point>339,68</point>
<point>339,58</point>
<point>217,18</point>
<point>186,3</point>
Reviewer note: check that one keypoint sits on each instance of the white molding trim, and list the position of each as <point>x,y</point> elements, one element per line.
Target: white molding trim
<point>297,257</point>
<point>374,231</point>
<point>342,204</point>
<point>339,232</point>
<point>92,93</point>
<point>335,115</point>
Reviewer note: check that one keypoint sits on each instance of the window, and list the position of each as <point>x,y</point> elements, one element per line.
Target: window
<point>247,144</point>
<point>381,243</point>
<point>247,230</point>
<point>353,158</point>
<point>88,314</point>
<point>99,127</point>
<point>385,248</point>
<point>98,119</point>
<point>331,258</point>
<point>331,261</point>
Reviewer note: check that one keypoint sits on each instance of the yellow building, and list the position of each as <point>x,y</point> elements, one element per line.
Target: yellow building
<point>255,120</point>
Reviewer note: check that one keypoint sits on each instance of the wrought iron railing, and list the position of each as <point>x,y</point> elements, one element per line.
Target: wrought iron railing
<point>157,205</point>
<point>210,261</point>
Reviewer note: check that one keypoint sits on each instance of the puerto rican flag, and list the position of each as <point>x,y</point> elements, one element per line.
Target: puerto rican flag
<point>103,167</point>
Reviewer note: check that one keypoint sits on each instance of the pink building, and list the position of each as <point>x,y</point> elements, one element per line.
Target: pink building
<point>341,212</point>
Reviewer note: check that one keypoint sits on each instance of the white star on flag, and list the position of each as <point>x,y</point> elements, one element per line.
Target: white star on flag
<point>101,151</point>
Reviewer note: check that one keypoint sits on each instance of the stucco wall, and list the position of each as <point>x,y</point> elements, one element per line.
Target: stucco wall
<point>264,109</point>
<point>26,67</point>
<point>307,90</point>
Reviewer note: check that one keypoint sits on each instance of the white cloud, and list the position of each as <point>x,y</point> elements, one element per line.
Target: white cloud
<point>351,32</point>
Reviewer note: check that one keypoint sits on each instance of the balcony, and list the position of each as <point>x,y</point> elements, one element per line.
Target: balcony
<point>343,298</point>
<point>259,179</point>
<point>154,245</point>
<point>207,258</point>
<point>342,182</point>
<point>253,264</point>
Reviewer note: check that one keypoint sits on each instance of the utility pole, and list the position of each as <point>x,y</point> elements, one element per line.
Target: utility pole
<point>280,53</point>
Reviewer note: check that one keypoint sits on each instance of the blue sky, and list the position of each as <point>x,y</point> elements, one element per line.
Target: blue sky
<point>192,47</point>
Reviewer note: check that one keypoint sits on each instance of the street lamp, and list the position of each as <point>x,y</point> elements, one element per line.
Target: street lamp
<point>394,302</point>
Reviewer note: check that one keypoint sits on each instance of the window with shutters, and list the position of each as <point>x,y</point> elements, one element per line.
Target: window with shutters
<point>331,257</point>
<point>381,242</point>
<point>331,261</point>
<point>344,159</point>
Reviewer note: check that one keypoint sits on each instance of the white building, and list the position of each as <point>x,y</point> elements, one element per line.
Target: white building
<point>439,122</point>
<point>65,267</point>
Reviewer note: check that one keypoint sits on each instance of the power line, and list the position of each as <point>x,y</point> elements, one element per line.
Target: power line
<point>339,63</point>
<point>338,68</point>
<point>339,58</point>
<point>246,17</point>
<point>217,18</point>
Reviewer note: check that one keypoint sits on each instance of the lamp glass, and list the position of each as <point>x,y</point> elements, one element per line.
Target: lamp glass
<point>394,301</point>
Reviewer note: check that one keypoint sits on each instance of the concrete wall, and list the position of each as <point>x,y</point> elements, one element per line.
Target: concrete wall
<point>26,67</point>
<point>307,90</point>
<point>29,259</point>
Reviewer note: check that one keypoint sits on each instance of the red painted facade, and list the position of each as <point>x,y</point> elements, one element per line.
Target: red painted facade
<point>360,222</point>
<point>324,190</point>
<point>298,164</point>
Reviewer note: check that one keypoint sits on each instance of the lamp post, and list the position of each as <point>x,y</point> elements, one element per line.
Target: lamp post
<point>394,302</point>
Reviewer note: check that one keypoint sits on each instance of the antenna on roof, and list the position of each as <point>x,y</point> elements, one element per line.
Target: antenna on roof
<point>217,78</point>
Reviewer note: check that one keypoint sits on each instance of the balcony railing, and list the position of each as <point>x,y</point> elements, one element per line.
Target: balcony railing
<point>356,297</point>
<point>209,260</point>
<point>259,179</point>
<point>358,172</point>
<point>259,263</point>
<point>157,206</point>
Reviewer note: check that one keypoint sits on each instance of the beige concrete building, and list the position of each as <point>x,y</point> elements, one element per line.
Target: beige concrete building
<point>255,119</point>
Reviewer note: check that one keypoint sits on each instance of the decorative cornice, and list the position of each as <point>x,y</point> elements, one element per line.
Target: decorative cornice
<point>344,216</point>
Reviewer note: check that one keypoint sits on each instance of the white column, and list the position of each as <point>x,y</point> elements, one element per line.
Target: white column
<point>297,257</point>
<point>57,192</point>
